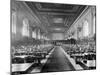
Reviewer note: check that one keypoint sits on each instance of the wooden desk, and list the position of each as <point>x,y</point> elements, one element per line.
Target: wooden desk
<point>20,67</point>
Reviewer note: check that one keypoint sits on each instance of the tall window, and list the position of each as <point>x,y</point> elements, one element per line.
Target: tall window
<point>38,33</point>
<point>94,24</point>
<point>25,29</point>
<point>13,22</point>
<point>34,34</point>
<point>86,28</point>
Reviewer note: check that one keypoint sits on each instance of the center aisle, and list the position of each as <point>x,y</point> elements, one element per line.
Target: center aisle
<point>57,62</point>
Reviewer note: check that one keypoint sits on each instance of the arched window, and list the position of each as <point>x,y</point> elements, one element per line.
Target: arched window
<point>13,22</point>
<point>85,28</point>
<point>25,29</point>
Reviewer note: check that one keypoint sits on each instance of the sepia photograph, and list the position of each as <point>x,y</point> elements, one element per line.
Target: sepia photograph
<point>52,37</point>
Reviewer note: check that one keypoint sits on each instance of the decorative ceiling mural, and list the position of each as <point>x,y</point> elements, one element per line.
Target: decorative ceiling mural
<point>56,15</point>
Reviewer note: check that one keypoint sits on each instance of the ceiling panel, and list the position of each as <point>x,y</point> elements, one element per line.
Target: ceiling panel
<point>56,7</point>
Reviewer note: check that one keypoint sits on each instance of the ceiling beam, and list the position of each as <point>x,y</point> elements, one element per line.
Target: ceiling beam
<point>56,13</point>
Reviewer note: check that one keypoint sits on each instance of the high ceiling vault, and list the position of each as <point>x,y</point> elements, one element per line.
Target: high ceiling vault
<point>56,17</point>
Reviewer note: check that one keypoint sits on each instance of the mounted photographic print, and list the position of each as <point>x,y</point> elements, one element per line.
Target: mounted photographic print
<point>52,37</point>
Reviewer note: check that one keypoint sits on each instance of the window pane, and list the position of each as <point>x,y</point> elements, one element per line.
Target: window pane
<point>25,29</point>
<point>86,29</point>
<point>14,22</point>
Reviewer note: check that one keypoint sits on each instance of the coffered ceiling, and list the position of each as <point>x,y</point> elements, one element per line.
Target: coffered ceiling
<point>56,17</point>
